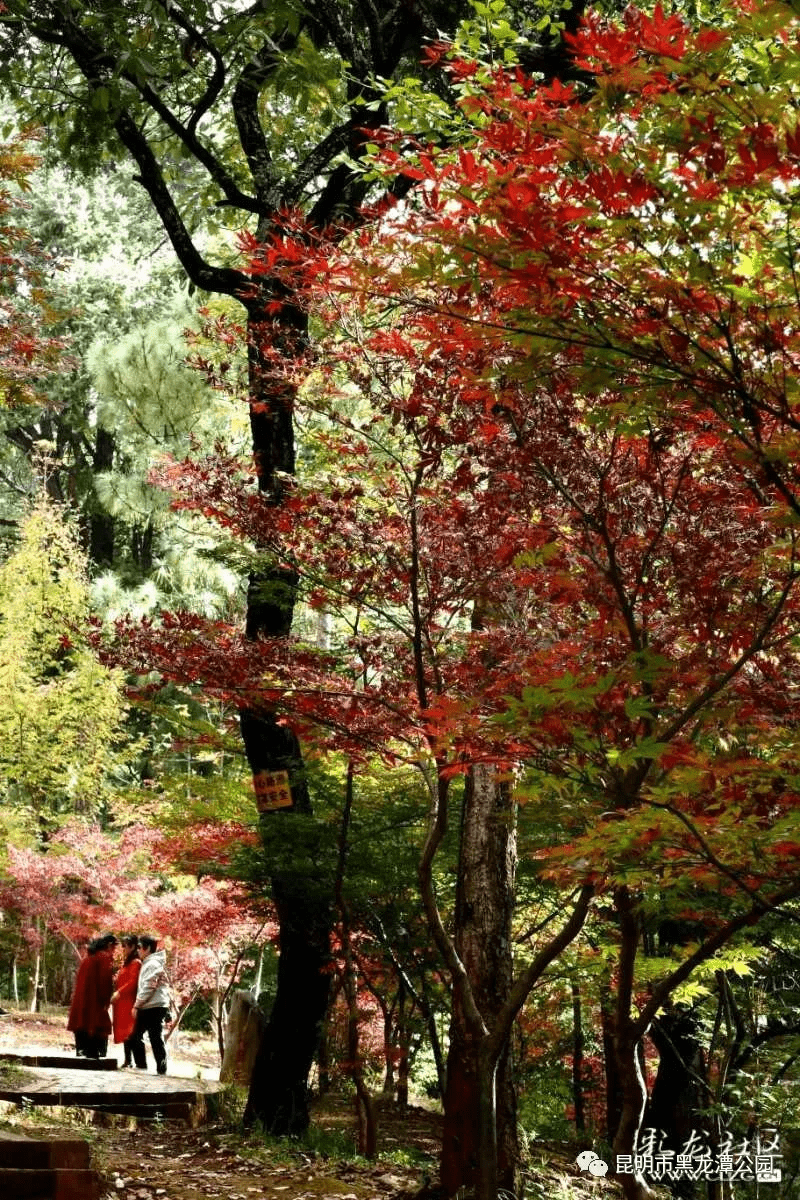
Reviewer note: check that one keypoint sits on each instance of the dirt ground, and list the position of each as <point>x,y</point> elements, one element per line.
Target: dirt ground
<point>218,1162</point>
<point>169,1161</point>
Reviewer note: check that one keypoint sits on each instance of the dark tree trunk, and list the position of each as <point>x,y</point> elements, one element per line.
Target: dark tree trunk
<point>142,547</point>
<point>613,1093</point>
<point>577,1060</point>
<point>404,1043</point>
<point>388,1012</point>
<point>626,1044</point>
<point>101,523</point>
<point>324,1054</point>
<point>278,1098</point>
<point>484,908</point>
<point>679,1096</point>
<point>633,1094</point>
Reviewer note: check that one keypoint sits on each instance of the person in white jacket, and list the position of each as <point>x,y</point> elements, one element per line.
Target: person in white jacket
<point>151,1005</point>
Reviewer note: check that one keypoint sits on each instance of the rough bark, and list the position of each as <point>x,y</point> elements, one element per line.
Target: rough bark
<point>278,1091</point>
<point>484,909</point>
<point>612,1088</point>
<point>278,1098</point>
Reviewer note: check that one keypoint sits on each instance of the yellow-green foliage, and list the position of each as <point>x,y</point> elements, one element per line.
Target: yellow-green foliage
<point>60,709</point>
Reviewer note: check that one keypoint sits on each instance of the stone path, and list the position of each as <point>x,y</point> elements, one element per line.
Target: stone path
<point>53,1081</point>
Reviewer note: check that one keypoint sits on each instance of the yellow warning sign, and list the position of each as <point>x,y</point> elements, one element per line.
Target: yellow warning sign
<point>272,790</point>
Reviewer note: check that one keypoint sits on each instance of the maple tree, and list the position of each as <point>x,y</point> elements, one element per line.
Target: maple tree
<point>27,353</point>
<point>87,881</point>
<point>83,882</point>
<point>211,933</point>
<point>207,94</point>
<point>90,879</point>
<point>189,88</point>
<point>559,393</point>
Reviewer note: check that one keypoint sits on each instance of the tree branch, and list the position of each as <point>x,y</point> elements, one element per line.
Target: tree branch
<point>705,951</point>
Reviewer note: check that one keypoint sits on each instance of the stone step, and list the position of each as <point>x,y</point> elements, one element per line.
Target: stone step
<point>46,1169</point>
<point>65,1098</point>
<point>62,1184</point>
<point>172,1110</point>
<point>61,1062</point>
<point>30,1154</point>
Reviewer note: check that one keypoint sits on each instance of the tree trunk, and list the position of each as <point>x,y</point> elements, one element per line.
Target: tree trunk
<point>480,1103</point>
<point>324,1058</point>
<point>366,1118</point>
<point>436,1043</point>
<point>626,1048</point>
<point>404,1045</point>
<point>278,1097</point>
<point>634,1098</point>
<point>577,1061</point>
<point>680,1095</point>
<point>365,1105</point>
<point>37,968</point>
<point>613,1090</point>
<point>101,523</point>
<point>142,546</point>
<point>218,1013</point>
<point>387,1087</point>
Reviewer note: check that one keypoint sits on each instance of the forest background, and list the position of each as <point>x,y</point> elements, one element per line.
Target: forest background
<point>504,612</point>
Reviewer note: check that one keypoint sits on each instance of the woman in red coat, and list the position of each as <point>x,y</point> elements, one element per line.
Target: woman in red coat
<point>78,1009</point>
<point>88,1013</point>
<point>125,986</point>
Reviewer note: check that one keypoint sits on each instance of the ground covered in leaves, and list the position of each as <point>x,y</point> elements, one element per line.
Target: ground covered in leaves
<point>176,1164</point>
<point>168,1161</point>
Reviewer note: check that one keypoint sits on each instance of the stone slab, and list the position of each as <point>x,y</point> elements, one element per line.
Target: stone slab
<point>78,1098</point>
<point>131,1093</point>
<point>60,1062</point>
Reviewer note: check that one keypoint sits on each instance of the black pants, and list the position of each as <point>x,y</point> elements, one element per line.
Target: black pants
<point>149,1021</point>
<point>90,1045</point>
